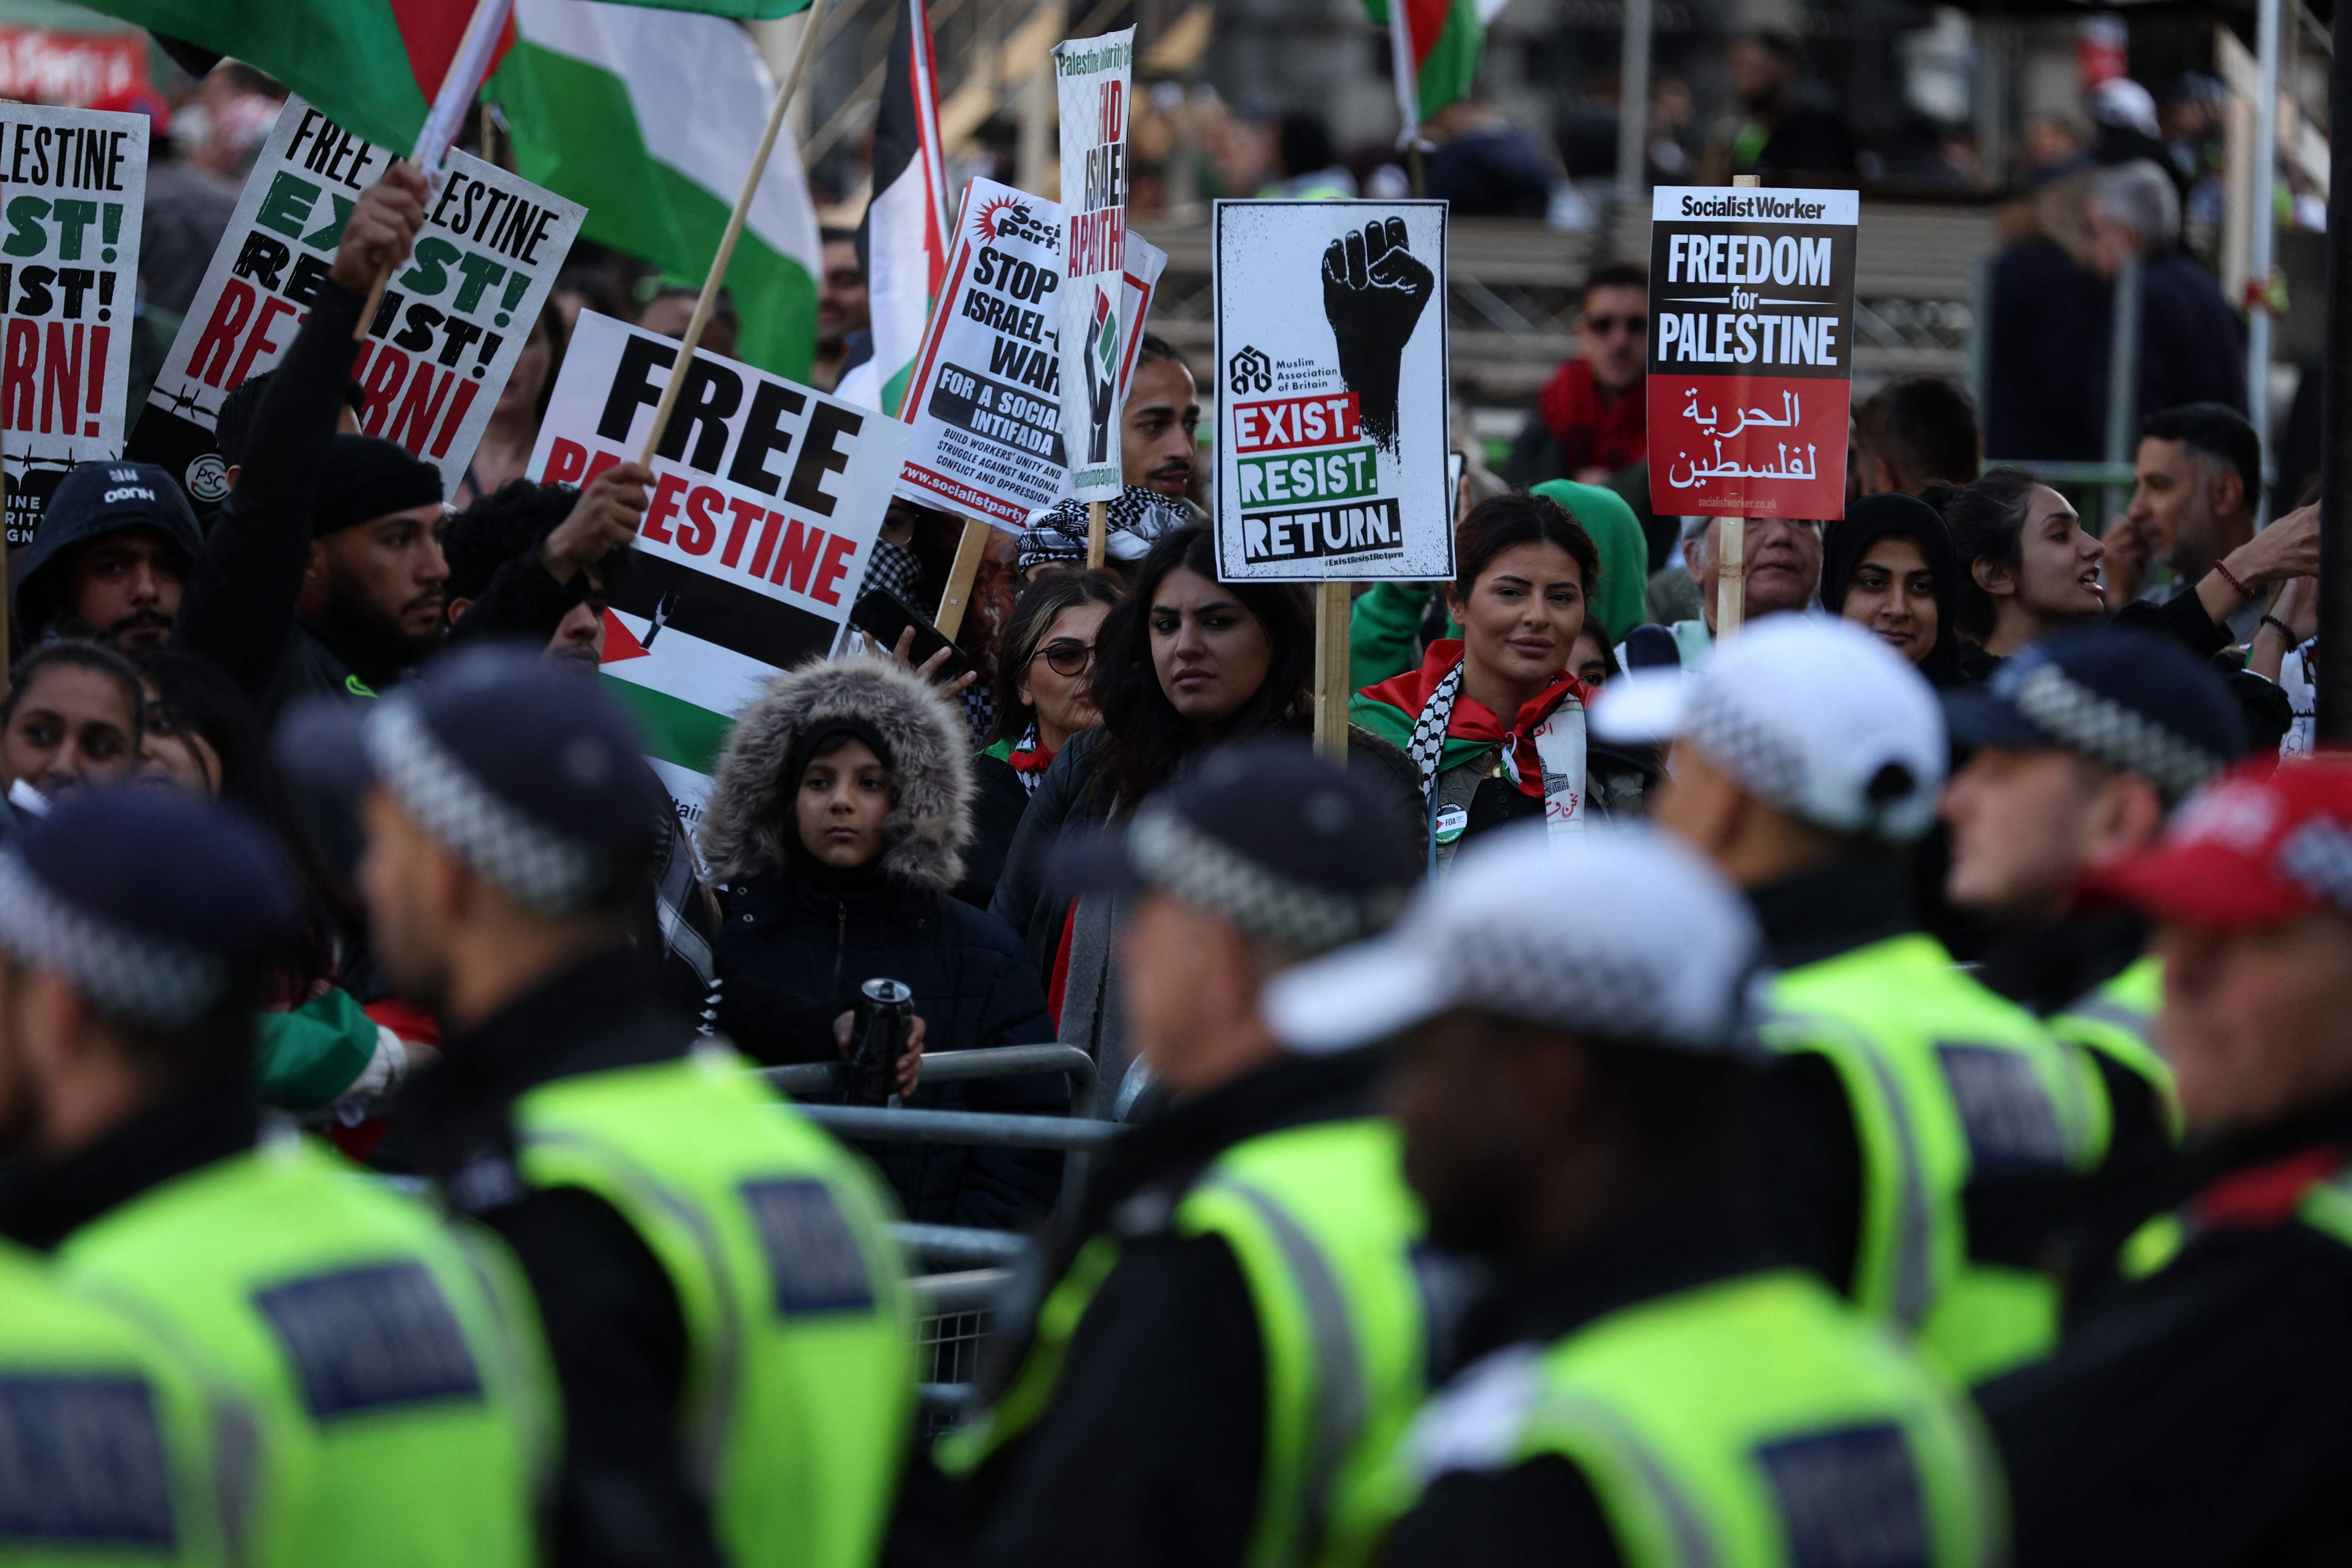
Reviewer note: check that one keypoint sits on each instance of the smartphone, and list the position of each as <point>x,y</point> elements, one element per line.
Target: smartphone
<point>885,616</point>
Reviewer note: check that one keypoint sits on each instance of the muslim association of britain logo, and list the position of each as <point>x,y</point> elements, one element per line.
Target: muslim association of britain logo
<point>1005,218</point>
<point>1250,370</point>
<point>209,477</point>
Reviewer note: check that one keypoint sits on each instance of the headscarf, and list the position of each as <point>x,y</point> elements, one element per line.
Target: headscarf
<point>1619,601</point>
<point>1847,540</point>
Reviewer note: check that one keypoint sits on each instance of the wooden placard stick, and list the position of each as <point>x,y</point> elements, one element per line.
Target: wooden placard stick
<point>970,548</point>
<point>1334,602</point>
<point>1731,552</point>
<point>1097,533</point>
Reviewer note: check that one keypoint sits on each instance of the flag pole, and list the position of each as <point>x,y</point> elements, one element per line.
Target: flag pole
<point>752,178</point>
<point>1731,550</point>
<point>459,84</point>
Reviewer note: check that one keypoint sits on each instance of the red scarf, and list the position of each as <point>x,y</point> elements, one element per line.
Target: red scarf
<point>1593,432</point>
<point>1029,758</point>
<point>1472,719</point>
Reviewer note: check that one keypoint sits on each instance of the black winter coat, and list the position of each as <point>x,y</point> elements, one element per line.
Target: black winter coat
<point>973,989</point>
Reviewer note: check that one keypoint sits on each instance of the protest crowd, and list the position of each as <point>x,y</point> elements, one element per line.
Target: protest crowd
<point>594,971</point>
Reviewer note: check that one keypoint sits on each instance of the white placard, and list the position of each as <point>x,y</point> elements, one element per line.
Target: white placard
<point>1092,75</point>
<point>766,500</point>
<point>1331,404</point>
<point>986,397</point>
<point>452,325</point>
<point>75,184</point>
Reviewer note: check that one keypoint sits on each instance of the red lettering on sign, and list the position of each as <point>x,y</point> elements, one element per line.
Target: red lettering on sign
<point>838,552</point>
<point>566,461</point>
<point>702,528</point>
<point>459,401</point>
<point>24,357</point>
<point>796,555</point>
<point>747,512</point>
<point>602,462</point>
<point>386,369</point>
<point>218,346</point>
<point>427,390</point>
<point>257,342</point>
<point>668,491</point>
<point>61,380</point>
<point>1285,424</point>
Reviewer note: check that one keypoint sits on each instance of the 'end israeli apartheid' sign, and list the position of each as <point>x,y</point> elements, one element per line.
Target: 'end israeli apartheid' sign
<point>1751,354</point>
<point>986,396</point>
<point>1091,79</point>
<point>766,500</point>
<point>452,324</point>
<point>75,182</point>
<point>1331,407</point>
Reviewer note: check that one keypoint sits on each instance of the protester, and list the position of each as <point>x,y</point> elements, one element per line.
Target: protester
<point>2193,346</point>
<point>1590,420</point>
<point>1567,1086</point>
<point>109,559</point>
<point>1889,565</point>
<point>531,556</point>
<point>834,829</point>
<point>679,1227</point>
<point>671,310</point>
<point>1806,754</point>
<point>1183,663</point>
<point>1145,1376</point>
<point>844,307</point>
<point>1482,165</point>
<point>138,929</point>
<point>1495,723</point>
<point>1593,662</point>
<point>71,720</point>
<point>1784,136</point>
<point>1045,695</point>
<point>2077,752</point>
<point>1915,431</point>
<point>2031,566</point>
<point>513,431</point>
<point>2193,1413</point>
<point>1782,574</point>
<point>1158,441</point>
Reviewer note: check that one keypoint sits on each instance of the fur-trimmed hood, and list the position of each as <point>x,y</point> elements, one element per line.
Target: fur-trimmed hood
<point>749,810</point>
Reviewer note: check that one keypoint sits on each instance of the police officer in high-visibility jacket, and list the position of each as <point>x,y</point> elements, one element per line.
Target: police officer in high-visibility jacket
<point>723,1305</point>
<point>2198,1412</point>
<point>1806,756</point>
<point>2077,750</point>
<point>1234,1326</point>
<point>1653,1386</point>
<point>398,1402</point>
<point>113,1446</point>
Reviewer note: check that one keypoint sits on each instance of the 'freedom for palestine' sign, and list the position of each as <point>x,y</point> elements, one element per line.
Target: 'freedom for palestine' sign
<point>1751,368</point>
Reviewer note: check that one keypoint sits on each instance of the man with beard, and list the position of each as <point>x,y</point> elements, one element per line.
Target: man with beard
<point>1159,430</point>
<point>109,559</point>
<point>843,309</point>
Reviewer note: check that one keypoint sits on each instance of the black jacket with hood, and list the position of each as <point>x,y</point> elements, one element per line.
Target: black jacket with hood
<point>795,928</point>
<point>34,600</point>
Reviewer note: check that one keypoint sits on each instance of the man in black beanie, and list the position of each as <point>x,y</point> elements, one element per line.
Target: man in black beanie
<point>110,557</point>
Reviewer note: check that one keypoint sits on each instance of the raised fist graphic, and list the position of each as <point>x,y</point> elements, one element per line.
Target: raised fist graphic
<point>1373,292</point>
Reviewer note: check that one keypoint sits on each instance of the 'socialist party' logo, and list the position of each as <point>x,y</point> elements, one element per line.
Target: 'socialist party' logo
<point>1005,218</point>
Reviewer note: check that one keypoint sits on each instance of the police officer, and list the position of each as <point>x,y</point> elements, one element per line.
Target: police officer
<point>1806,755</point>
<point>136,929</point>
<point>112,1451</point>
<point>1233,1329</point>
<point>721,1301</point>
<point>2196,1414</point>
<point>2079,748</point>
<point>1652,1386</point>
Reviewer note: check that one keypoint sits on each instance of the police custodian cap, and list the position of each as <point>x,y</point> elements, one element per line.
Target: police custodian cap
<point>150,901</point>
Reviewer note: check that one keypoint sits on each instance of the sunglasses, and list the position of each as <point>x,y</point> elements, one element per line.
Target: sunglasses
<point>1066,655</point>
<point>1602,326</point>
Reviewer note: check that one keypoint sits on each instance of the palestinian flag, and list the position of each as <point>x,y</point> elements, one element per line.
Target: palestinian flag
<point>1443,40</point>
<point>902,240</point>
<point>649,119</point>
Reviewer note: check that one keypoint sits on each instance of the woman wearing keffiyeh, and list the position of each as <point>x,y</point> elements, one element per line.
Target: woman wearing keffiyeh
<point>1045,673</point>
<point>1495,721</point>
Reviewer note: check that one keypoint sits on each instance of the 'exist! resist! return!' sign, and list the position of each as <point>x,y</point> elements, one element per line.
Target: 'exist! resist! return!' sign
<point>1751,355</point>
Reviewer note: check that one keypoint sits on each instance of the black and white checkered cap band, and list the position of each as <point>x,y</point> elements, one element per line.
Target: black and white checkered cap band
<point>1173,854</point>
<point>1750,750</point>
<point>2102,728</point>
<point>121,972</point>
<point>1613,989</point>
<point>447,801</point>
<point>2319,856</point>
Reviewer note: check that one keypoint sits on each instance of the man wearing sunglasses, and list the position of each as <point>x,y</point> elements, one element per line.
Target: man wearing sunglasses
<point>1589,419</point>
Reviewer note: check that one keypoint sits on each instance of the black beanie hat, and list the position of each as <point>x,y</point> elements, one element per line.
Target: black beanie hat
<point>367,477</point>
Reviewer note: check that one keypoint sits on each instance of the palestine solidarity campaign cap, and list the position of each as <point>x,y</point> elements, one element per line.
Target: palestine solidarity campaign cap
<point>1617,933</point>
<point>2268,842</point>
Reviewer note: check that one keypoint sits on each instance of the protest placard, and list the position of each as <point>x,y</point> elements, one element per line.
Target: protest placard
<point>767,502</point>
<point>440,347</point>
<point>1331,411</point>
<point>1751,369</point>
<point>1092,75</point>
<point>75,182</point>
<point>986,397</point>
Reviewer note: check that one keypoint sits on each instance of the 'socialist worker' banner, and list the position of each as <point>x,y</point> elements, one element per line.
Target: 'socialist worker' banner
<point>767,499</point>
<point>1093,77</point>
<point>75,182</point>
<point>1331,410</point>
<point>438,353</point>
<point>1751,367</point>
<point>986,396</point>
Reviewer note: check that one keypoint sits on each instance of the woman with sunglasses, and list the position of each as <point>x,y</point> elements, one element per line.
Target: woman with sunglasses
<point>1045,695</point>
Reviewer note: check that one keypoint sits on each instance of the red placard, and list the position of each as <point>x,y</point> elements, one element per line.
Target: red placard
<point>1748,446</point>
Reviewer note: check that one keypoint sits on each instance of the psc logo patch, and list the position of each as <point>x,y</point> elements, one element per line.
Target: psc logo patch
<point>208,477</point>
